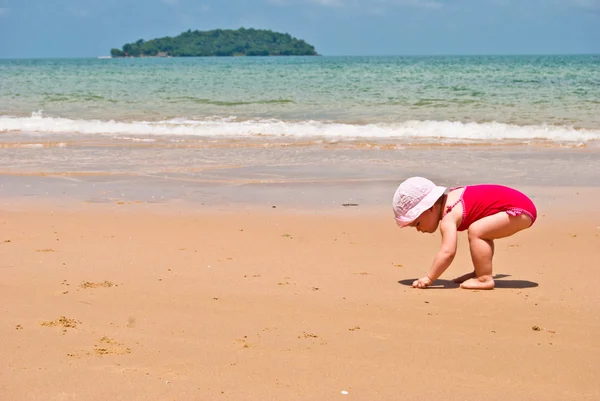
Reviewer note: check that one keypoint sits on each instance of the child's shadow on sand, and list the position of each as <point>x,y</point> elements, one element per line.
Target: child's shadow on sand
<point>441,284</point>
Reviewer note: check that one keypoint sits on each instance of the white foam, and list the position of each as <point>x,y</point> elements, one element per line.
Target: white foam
<point>31,145</point>
<point>128,138</point>
<point>444,131</point>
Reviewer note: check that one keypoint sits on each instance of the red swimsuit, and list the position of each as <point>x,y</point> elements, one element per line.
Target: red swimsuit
<point>479,201</point>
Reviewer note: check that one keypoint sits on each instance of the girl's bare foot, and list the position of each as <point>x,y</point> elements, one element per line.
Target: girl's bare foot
<point>479,283</point>
<point>464,277</point>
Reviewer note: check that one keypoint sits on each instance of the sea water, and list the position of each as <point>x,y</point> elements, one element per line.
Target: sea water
<point>446,98</point>
<point>242,120</point>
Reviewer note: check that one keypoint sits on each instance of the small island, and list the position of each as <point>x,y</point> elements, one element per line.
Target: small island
<point>219,42</point>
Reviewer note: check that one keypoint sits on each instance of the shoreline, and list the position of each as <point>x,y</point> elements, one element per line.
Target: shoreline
<point>315,177</point>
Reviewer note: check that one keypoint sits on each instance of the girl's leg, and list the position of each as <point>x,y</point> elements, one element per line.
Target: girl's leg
<point>482,234</point>
<point>467,276</point>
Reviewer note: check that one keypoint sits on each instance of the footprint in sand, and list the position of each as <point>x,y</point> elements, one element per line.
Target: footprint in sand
<point>105,346</point>
<point>103,284</point>
<point>109,346</point>
<point>62,321</point>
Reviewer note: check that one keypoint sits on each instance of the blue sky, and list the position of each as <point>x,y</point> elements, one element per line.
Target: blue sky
<point>89,28</point>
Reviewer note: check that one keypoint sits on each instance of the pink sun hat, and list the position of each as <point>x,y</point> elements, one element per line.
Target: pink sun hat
<point>413,197</point>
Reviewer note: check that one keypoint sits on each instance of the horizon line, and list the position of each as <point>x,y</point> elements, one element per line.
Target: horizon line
<point>320,55</point>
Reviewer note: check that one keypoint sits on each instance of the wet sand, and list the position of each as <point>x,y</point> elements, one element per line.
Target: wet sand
<point>236,174</point>
<point>127,300</point>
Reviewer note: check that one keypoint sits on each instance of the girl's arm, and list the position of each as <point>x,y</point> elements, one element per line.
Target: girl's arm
<point>445,255</point>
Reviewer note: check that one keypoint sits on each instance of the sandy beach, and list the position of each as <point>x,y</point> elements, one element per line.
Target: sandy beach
<point>134,301</point>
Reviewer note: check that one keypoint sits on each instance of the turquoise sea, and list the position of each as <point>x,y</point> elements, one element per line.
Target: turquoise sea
<point>443,98</point>
<point>177,127</point>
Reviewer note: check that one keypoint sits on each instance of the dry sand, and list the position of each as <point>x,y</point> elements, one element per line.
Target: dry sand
<point>124,302</point>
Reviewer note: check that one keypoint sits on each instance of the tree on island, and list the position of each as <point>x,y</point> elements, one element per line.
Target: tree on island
<point>219,42</point>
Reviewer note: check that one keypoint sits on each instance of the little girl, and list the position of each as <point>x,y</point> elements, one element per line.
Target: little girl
<point>487,212</point>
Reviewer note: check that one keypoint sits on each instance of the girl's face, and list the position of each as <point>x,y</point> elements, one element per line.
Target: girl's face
<point>428,221</point>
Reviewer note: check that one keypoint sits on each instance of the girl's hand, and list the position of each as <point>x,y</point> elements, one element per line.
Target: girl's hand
<point>422,282</point>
